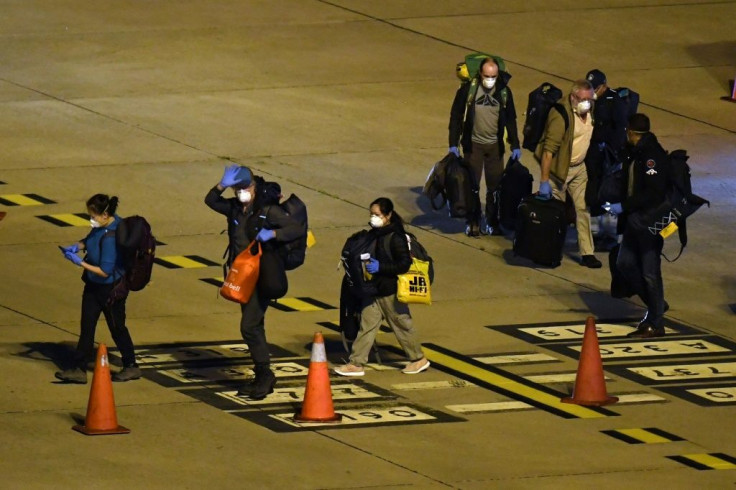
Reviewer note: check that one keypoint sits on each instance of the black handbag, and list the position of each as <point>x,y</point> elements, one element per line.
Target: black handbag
<point>272,280</point>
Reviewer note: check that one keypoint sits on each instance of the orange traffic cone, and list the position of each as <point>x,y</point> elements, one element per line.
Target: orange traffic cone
<point>317,406</point>
<point>101,418</point>
<point>590,385</point>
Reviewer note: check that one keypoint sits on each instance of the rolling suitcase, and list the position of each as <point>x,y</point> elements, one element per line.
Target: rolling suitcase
<point>540,230</point>
<point>516,184</point>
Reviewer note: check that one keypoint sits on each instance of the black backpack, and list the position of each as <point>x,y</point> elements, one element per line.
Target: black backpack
<point>515,184</point>
<point>295,251</point>
<point>434,185</point>
<point>629,99</point>
<point>357,244</point>
<point>137,245</point>
<point>461,189</point>
<point>680,203</point>
<point>541,101</point>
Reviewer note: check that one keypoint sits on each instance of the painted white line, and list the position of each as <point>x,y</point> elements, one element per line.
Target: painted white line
<point>716,394</point>
<point>230,373</point>
<point>515,358</point>
<point>658,348</point>
<point>677,372</point>
<point>577,331</point>
<point>194,353</point>
<point>555,378</point>
<point>365,416</point>
<point>516,405</point>
<point>433,385</point>
<point>296,394</point>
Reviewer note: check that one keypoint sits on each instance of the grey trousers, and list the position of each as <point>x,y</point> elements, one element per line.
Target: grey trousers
<point>397,316</point>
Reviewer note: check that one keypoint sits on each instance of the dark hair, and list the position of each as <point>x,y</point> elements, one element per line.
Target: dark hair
<point>639,123</point>
<point>102,203</point>
<point>386,207</point>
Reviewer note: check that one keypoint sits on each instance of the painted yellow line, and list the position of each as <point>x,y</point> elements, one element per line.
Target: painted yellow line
<point>182,261</point>
<point>710,461</point>
<point>297,304</point>
<point>643,435</point>
<point>510,385</point>
<point>21,200</point>
<point>71,219</point>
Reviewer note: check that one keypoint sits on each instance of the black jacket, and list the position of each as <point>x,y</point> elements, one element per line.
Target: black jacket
<point>244,225</point>
<point>506,118</point>
<point>648,165</point>
<point>609,116</point>
<point>392,254</point>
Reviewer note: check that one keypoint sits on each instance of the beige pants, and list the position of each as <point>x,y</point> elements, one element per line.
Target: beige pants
<point>577,181</point>
<point>398,318</point>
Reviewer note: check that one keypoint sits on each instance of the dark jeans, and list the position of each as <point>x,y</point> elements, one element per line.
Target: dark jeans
<point>486,158</point>
<point>640,263</point>
<point>94,298</point>
<point>252,327</point>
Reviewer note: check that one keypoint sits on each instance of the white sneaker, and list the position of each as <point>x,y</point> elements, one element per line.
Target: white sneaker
<point>416,366</point>
<point>349,370</point>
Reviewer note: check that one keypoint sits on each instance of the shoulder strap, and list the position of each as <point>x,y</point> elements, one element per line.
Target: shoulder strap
<point>559,108</point>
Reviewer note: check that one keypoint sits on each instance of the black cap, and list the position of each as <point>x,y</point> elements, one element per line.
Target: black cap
<point>639,123</point>
<point>596,78</point>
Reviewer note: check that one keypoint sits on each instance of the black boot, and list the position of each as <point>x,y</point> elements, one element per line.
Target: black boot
<point>262,385</point>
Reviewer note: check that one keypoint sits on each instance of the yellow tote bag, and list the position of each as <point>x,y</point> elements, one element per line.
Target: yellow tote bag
<point>413,286</point>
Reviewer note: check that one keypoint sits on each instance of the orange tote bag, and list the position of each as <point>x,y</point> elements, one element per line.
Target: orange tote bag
<point>243,276</point>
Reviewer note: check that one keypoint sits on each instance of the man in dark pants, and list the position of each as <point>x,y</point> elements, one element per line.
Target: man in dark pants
<point>482,109</point>
<point>639,259</point>
<point>609,135</point>
<point>252,215</point>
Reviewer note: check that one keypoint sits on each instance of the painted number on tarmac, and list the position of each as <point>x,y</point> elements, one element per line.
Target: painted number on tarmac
<point>576,332</point>
<point>230,373</point>
<point>196,353</point>
<point>660,348</point>
<point>400,414</point>
<point>296,394</point>
<point>687,372</point>
<point>717,395</point>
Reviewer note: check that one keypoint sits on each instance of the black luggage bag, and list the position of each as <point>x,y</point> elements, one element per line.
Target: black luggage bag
<point>515,185</point>
<point>540,230</point>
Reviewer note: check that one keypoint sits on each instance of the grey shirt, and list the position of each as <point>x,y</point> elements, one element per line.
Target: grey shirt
<point>485,125</point>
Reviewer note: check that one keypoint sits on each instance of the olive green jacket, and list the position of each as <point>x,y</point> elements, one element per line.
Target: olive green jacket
<point>557,140</point>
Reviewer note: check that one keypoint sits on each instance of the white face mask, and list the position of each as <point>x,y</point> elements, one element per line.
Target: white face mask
<point>94,223</point>
<point>583,106</point>
<point>489,82</point>
<point>376,221</point>
<point>244,196</point>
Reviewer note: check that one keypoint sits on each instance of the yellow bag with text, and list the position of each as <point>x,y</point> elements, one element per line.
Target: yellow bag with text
<point>413,286</point>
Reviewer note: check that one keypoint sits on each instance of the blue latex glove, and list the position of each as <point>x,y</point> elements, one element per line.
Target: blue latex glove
<point>545,190</point>
<point>229,177</point>
<point>453,149</point>
<point>74,258</point>
<point>372,266</point>
<point>615,209</point>
<point>516,154</point>
<point>71,248</point>
<point>265,235</point>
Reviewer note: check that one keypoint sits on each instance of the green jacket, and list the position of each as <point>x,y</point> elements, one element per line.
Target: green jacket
<point>558,140</point>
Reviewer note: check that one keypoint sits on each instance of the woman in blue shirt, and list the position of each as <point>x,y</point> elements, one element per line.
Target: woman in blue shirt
<point>103,267</point>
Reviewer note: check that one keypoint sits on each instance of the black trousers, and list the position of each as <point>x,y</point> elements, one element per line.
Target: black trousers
<point>94,299</point>
<point>253,328</point>
<point>639,261</point>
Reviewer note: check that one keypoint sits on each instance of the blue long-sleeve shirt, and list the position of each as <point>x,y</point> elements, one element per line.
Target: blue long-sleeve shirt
<point>102,251</point>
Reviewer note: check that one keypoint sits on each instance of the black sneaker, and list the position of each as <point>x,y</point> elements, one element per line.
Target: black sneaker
<point>74,375</point>
<point>493,230</point>
<point>646,331</point>
<point>591,262</point>
<point>128,374</point>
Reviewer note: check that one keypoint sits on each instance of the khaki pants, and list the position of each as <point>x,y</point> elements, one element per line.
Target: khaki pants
<point>577,181</point>
<point>397,316</point>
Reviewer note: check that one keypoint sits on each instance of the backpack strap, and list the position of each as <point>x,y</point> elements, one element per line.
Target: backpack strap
<point>559,108</point>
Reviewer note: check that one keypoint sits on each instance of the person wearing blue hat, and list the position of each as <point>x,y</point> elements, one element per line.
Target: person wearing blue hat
<point>252,215</point>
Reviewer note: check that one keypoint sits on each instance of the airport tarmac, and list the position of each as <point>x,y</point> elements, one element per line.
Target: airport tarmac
<point>341,102</point>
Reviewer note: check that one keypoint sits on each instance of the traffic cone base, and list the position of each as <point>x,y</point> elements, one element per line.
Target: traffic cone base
<point>317,406</point>
<point>732,98</point>
<point>101,418</point>
<point>590,384</point>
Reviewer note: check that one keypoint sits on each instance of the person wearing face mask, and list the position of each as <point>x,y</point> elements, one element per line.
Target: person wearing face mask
<point>391,258</point>
<point>563,148</point>
<point>102,266</point>
<point>482,110</point>
<point>253,215</point>
<point>638,259</point>
<point>608,141</point>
